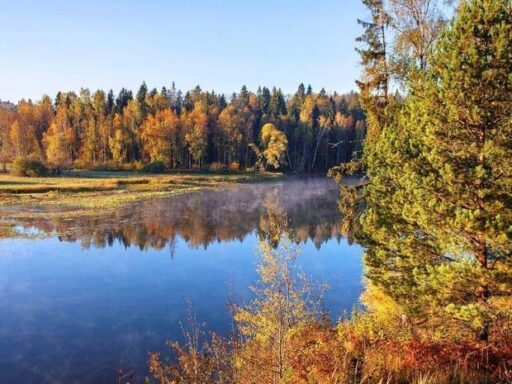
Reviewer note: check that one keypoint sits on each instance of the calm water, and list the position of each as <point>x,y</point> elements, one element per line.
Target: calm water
<point>98,294</point>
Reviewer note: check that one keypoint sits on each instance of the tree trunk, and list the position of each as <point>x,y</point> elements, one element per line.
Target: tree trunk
<point>483,289</point>
<point>319,137</point>
<point>482,249</point>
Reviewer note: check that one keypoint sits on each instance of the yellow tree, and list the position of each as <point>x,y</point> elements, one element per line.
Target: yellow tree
<point>6,148</point>
<point>78,109</point>
<point>274,143</point>
<point>23,131</point>
<point>43,116</point>
<point>194,123</point>
<point>157,102</point>
<point>90,142</point>
<point>132,120</point>
<point>159,136</point>
<point>285,304</point>
<point>118,142</point>
<point>17,139</point>
<point>58,140</point>
<point>230,124</point>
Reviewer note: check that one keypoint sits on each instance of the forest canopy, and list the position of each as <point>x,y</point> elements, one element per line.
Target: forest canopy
<point>184,131</point>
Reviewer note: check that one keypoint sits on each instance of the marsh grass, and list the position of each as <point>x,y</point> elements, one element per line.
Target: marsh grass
<point>7,229</point>
<point>82,193</point>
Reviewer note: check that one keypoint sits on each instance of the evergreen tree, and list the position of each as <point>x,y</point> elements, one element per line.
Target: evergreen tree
<point>374,84</point>
<point>439,216</point>
<point>244,95</point>
<point>301,91</point>
<point>277,103</point>
<point>110,102</point>
<point>122,100</point>
<point>142,93</point>
<point>264,101</point>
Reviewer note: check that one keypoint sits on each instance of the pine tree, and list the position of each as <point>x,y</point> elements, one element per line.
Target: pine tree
<point>439,216</point>
<point>142,93</point>
<point>264,101</point>
<point>277,103</point>
<point>374,83</point>
<point>110,102</point>
<point>122,100</point>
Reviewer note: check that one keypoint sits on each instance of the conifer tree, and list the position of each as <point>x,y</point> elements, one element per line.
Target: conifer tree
<point>142,93</point>
<point>439,218</point>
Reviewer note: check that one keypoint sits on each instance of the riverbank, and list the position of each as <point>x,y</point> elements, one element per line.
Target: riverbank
<point>79,193</point>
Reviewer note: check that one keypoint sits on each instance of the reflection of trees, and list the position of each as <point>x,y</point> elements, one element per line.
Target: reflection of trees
<point>308,208</point>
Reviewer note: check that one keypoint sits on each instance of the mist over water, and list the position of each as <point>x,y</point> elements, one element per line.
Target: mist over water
<point>100,292</point>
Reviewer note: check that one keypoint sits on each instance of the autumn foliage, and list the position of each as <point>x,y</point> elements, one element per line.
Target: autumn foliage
<point>103,131</point>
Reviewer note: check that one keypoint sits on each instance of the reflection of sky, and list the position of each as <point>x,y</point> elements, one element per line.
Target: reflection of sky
<point>65,311</point>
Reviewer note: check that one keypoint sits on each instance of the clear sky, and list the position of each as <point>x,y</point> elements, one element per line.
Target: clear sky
<point>52,45</point>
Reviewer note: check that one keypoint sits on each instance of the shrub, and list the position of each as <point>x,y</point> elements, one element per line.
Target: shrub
<point>137,166</point>
<point>155,167</point>
<point>217,167</point>
<point>82,164</point>
<point>28,167</point>
<point>234,166</point>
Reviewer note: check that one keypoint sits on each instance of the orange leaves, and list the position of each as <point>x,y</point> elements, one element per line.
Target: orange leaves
<point>316,355</point>
<point>158,135</point>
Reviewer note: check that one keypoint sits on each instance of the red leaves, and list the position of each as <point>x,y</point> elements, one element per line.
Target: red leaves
<point>487,359</point>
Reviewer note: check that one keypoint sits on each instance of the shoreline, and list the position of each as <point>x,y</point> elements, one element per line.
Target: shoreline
<point>98,192</point>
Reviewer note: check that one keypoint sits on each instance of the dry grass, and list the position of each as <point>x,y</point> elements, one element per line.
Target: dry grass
<point>95,192</point>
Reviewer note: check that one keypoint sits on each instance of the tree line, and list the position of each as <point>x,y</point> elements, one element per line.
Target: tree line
<point>307,131</point>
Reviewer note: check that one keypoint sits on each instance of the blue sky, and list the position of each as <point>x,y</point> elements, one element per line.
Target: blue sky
<point>53,45</point>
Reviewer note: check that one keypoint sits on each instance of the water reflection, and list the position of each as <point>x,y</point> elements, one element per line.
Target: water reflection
<point>306,207</point>
<point>102,292</point>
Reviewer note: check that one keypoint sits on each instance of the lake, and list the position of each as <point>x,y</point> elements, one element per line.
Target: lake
<point>88,295</point>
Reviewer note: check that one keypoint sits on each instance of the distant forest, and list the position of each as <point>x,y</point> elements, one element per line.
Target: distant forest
<point>191,130</point>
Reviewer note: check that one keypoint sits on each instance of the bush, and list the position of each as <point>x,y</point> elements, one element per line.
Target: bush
<point>137,166</point>
<point>155,167</point>
<point>82,164</point>
<point>112,166</point>
<point>28,167</point>
<point>234,166</point>
<point>217,167</point>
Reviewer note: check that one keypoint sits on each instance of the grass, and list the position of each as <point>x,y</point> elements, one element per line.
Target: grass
<point>79,193</point>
